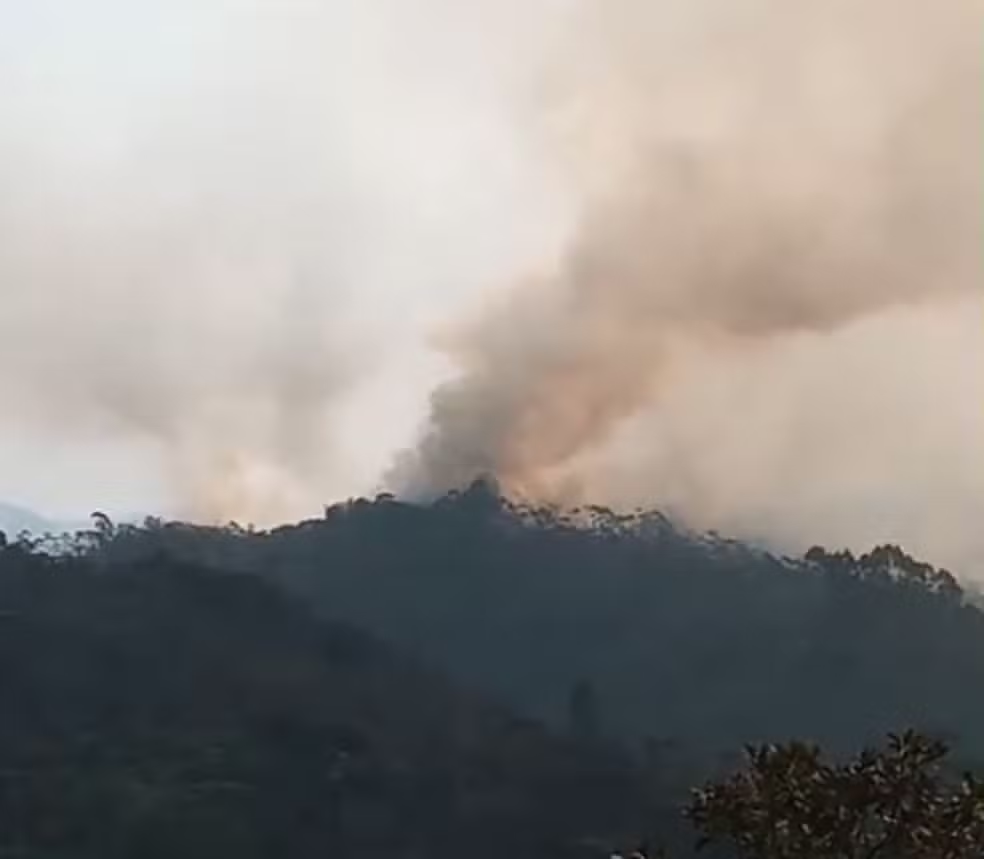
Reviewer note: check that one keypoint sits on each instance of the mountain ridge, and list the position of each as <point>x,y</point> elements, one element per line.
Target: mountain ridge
<point>688,638</point>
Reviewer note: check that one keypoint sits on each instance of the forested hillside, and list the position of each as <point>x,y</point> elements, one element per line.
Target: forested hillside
<point>680,641</point>
<point>159,710</point>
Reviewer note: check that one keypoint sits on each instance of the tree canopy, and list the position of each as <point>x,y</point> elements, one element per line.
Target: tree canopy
<point>791,802</point>
<point>688,639</point>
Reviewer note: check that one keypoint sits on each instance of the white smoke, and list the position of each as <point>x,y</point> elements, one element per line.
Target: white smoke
<point>227,228</point>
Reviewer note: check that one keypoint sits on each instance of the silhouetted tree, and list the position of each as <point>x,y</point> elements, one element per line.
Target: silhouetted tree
<point>790,802</point>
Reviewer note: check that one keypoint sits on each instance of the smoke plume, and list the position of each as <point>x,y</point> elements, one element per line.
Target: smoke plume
<point>225,226</point>
<point>768,316</point>
<point>718,256</point>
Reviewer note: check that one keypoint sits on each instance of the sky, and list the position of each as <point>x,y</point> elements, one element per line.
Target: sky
<point>232,177</point>
<point>717,256</point>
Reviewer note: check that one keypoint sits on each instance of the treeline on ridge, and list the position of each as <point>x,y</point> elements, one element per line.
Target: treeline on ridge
<point>472,676</point>
<point>689,644</point>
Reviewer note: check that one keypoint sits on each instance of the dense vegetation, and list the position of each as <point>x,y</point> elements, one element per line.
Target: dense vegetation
<point>158,710</point>
<point>790,802</point>
<point>174,690</point>
<point>685,641</point>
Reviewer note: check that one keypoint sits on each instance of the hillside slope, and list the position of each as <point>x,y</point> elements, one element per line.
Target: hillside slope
<point>683,638</point>
<point>157,710</point>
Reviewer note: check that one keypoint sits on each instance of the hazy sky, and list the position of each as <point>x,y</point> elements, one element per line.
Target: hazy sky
<point>721,256</point>
<point>188,186</point>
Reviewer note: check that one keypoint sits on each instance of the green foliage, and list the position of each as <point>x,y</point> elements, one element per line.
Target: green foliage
<point>792,803</point>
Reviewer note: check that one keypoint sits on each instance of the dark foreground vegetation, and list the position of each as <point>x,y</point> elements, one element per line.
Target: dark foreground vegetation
<point>789,802</point>
<point>476,678</point>
<point>158,710</point>
<point>681,640</point>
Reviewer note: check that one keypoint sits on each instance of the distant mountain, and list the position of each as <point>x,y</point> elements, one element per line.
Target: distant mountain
<point>14,520</point>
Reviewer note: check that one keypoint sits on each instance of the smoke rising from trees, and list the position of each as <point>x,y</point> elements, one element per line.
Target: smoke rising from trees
<point>722,258</point>
<point>768,316</point>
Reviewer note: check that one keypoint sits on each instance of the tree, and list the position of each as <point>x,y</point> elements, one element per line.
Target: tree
<point>584,711</point>
<point>894,803</point>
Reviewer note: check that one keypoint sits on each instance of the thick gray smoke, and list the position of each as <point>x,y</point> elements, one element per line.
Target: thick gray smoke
<point>768,318</point>
<point>721,256</point>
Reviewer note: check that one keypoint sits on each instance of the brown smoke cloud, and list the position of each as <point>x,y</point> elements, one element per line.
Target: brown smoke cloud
<point>719,256</point>
<point>758,178</point>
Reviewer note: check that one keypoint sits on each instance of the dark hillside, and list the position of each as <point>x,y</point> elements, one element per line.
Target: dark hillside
<point>157,710</point>
<point>687,639</point>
